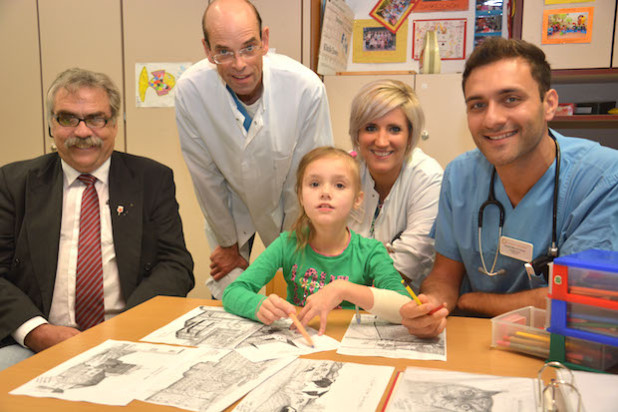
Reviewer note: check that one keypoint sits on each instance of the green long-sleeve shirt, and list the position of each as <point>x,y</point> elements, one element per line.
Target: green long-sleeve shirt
<point>364,262</point>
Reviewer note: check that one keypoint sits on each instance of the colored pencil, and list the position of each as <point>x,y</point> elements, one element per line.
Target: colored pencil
<point>301,329</point>
<point>434,310</point>
<point>525,348</point>
<point>532,335</point>
<point>526,341</point>
<point>603,293</point>
<point>417,300</point>
<point>411,292</point>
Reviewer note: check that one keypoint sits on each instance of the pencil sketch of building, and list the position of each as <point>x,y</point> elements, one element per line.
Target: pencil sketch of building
<point>383,335</point>
<point>214,385</point>
<point>90,372</point>
<point>217,329</point>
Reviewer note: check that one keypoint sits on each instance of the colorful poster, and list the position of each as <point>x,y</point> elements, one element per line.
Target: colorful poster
<point>451,37</point>
<point>441,5</point>
<point>375,44</point>
<point>392,13</point>
<point>567,1</point>
<point>335,41</point>
<point>155,82</point>
<point>488,20</point>
<point>567,25</point>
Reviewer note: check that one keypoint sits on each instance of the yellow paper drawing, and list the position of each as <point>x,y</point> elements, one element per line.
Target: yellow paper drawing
<point>372,43</point>
<point>161,81</point>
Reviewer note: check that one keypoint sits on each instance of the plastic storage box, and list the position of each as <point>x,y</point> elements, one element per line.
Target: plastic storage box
<point>589,277</point>
<point>522,330</point>
<point>582,354</point>
<point>584,322</point>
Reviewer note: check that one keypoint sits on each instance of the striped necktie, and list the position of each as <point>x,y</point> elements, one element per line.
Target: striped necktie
<point>89,305</point>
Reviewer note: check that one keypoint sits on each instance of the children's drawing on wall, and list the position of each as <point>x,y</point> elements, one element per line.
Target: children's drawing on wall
<point>567,1</point>
<point>154,83</point>
<point>392,13</point>
<point>320,385</point>
<point>567,25</point>
<point>451,37</point>
<point>488,20</point>
<point>441,5</point>
<point>488,24</point>
<point>375,44</point>
<point>488,7</point>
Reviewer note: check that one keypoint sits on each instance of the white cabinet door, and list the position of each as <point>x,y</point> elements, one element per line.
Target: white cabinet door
<point>445,116</point>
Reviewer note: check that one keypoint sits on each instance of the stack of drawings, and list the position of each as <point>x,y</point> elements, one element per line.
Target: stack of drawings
<point>584,307</point>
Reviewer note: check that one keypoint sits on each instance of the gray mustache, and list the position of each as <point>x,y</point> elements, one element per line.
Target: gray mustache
<point>83,143</point>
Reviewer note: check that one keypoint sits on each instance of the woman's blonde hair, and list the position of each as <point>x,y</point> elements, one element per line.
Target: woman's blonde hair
<point>302,226</point>
<point>376,99</point>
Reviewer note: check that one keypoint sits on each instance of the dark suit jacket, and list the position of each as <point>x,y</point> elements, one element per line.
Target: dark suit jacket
<point>150,249</point>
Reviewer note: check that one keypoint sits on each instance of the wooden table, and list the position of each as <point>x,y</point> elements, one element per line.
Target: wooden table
<point>468,350</point>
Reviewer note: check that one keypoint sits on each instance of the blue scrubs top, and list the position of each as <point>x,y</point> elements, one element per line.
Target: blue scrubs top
<point>587,213</point>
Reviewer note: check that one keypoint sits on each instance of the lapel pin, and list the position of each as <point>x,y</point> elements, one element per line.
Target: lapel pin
<point>120,209</point>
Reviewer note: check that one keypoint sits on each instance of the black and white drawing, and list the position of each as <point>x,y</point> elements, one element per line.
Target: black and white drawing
<point>213,327</point>
<point>205,326</point>
<point>320,385</point>
<point>213,386</point>
<point>431,390</point>
<point>114,372</point>
<point>374,337</point>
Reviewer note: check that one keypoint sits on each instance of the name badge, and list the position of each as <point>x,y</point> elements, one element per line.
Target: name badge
<point>516,249</point>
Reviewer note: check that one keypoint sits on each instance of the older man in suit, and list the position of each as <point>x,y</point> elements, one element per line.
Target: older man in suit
<point>86,232</point>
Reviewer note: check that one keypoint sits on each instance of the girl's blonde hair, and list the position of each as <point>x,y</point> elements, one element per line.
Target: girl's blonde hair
<point>302,226</point>
<point>378,98</point>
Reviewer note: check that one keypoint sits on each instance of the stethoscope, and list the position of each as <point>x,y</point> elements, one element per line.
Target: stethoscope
<point>538,265</point>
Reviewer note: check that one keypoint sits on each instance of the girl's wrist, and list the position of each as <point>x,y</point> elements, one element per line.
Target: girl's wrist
<point>342,287</point>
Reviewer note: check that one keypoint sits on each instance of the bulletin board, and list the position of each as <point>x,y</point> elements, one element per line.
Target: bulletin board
<point>463,12</point>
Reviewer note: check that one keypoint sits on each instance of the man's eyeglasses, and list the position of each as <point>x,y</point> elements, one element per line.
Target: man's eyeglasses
<point>228,56</point>
<point>93,122</point>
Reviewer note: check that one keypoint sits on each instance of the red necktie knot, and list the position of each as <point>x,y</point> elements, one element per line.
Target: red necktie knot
<point>88,180</point>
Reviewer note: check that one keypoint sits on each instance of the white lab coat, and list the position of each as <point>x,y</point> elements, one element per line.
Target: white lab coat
<point>244,181</point>
<point>406,218</point>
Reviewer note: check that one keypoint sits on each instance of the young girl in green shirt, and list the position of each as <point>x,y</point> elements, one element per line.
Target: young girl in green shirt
<point>325,264</point>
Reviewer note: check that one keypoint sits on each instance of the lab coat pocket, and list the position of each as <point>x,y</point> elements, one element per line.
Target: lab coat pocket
<point>281,167</point>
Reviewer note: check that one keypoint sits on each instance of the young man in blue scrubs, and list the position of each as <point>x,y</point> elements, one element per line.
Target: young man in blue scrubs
<point>486,265</point>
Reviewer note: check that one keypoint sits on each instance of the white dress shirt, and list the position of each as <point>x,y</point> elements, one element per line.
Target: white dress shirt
<point>62,310</point>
